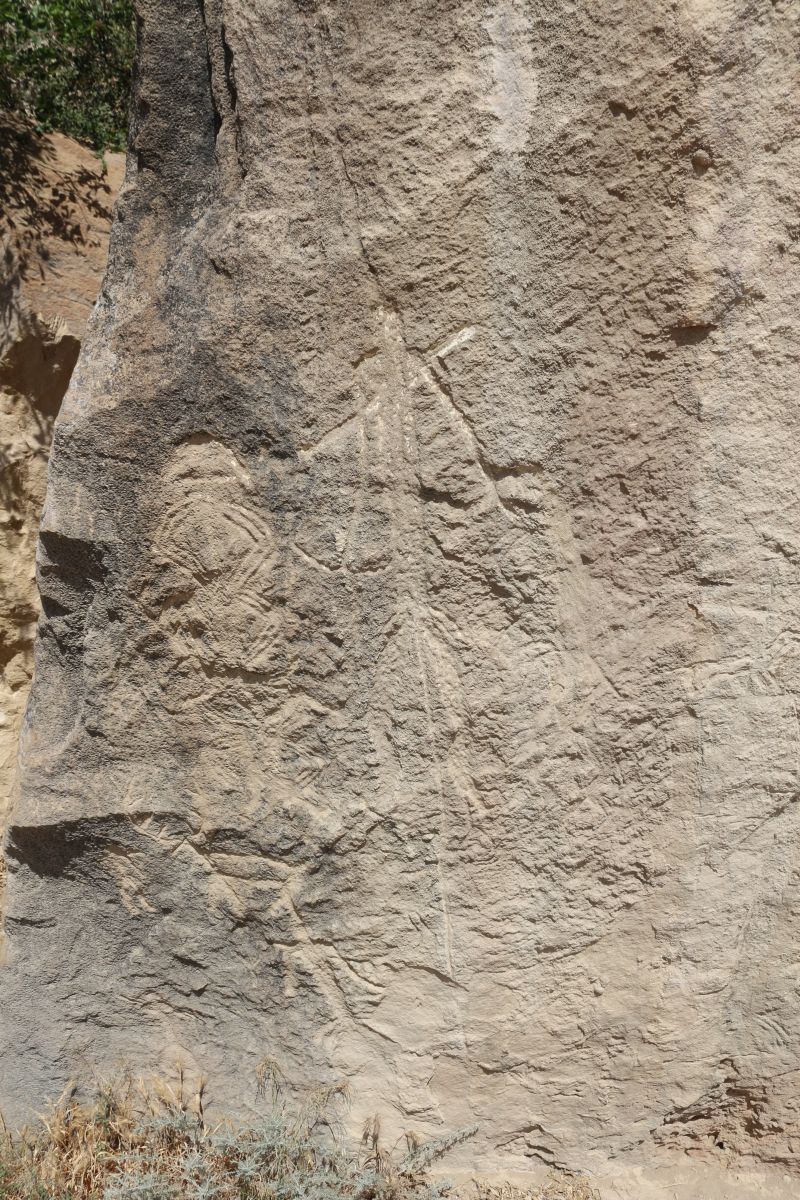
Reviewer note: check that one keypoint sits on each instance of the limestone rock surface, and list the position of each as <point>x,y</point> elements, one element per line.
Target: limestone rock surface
<point>416,693</point>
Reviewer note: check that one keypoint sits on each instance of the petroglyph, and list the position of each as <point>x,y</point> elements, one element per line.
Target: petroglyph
<point>418,602</point>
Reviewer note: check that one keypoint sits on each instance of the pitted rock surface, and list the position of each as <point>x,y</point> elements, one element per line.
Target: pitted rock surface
<point>416,695</point>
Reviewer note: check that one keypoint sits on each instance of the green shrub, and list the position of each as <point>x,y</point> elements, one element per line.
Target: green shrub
<point>66,65</point>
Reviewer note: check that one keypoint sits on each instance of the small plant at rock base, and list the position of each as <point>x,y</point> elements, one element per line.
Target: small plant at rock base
<point>153,1142</point>
<point>559,1186</point>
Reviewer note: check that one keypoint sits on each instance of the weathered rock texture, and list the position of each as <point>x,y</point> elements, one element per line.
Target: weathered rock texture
<point>55,214</point>
<point>416,698</point>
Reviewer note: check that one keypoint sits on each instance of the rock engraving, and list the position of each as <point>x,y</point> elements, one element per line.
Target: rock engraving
<point>416,694</point>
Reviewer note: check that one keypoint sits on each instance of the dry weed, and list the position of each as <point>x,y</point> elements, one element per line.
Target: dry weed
<point>559,1186</point>
<point>152,1141</point>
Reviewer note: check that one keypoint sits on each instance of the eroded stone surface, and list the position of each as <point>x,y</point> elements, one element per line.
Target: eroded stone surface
<point>416,697</point>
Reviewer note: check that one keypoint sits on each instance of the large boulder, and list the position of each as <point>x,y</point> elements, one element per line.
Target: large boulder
<point>56,198</point>
<point>416,694</point>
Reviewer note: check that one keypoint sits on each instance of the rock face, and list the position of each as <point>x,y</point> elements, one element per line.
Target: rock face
<point>416,695</point>
<point>55,213</point>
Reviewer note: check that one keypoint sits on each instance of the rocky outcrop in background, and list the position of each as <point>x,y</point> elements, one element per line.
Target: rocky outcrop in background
<point>55,214</point>
<point>416,698</point>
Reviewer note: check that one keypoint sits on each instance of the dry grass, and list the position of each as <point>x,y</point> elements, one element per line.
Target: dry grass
<point>560,1186</point>
<point>151,1141</point>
